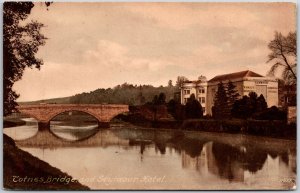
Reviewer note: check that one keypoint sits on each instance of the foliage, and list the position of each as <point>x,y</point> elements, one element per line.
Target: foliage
<point>232,94</point>
<point>220,109</point>
<point>20,44</point>
<point>272,113</point>
<point>160,99</point>
<point>193,108</point>
<point>170,84</point>
<point>176,109</point>
<point>284,54</point>
<point>261,104</point>
<point>287,94</point>
<point>180,80</point>
<point>248,105</point>
<point>125,94</point>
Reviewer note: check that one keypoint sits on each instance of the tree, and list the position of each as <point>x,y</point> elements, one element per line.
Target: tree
<point>176,109</point>
<point>261,104</point>
<point>248,106</point>
<point>161,98</point>
<point>180,81</point>
<point>140,98</point>
<point>232,94</point>
<point>193,108</point>
<point>284,54</point>
<point>272,113</point>
<point>252,104</point>
<point>240,108</point>
<point>20,44</point>
<point>220,107</point>
<point>170,84</point>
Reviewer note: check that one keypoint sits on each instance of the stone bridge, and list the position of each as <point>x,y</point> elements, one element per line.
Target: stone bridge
<point>44,113</point>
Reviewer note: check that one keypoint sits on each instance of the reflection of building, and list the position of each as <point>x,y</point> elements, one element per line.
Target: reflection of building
<point>245,82</point>
<point>247,165</point>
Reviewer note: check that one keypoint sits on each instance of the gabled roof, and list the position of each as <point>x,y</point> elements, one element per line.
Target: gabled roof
<point>235,75</point>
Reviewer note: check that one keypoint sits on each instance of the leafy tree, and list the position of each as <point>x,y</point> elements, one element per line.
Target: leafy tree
<point>161,98</point>
<point>240,108</point>
<point>180,81</point>
<point>123,94</point>
<point>272,113</point>
<point>220,107</point>
<point>284,54</point>
<point>140,98</point>
<point>261,104</point>
<point>155,100</point>
<point>170,84</point>
<point>20,44</point>
<point>249,106</point>
<point>252,104</point>
<point>232,94</point>
<point>193,108</point>
<point>176,109</point>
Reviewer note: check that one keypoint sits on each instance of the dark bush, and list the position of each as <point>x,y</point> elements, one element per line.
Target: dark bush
<point>272,113</point>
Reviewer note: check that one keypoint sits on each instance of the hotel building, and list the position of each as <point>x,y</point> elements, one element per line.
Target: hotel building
<point>245,82</point>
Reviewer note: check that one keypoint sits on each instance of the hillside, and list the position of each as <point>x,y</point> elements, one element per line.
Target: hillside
<point>63,100</point>
<point>120,94</point>
<point>124,94</point>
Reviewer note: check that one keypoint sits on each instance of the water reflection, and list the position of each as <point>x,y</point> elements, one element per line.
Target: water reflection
<point>23,132</point>
<point>74,133</point>
<point>198,161</point>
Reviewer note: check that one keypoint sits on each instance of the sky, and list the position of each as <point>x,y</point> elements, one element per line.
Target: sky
<point>101,45</point>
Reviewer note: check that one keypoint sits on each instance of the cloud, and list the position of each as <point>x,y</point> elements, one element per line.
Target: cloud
<point>94,45</point>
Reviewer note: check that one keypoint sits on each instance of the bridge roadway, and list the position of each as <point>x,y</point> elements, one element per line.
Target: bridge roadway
<point>44,113</point>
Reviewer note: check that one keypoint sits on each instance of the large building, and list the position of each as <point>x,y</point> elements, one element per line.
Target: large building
<point>245,82</point>
<point>198,88</point>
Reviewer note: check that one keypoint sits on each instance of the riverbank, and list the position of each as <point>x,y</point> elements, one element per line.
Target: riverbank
<point>22,171</point>
<point>267,128</point>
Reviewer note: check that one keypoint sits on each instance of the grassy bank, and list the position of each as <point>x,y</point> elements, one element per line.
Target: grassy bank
<point>22,171</point>
<point>276,128</point>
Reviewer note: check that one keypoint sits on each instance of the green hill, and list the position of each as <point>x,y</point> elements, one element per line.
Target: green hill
<point>120,94</point>
<point>63,100</point>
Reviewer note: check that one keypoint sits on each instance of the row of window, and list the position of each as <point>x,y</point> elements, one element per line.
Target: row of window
<point>186,91</point>
<point>200,99</point>
<point>201,90</point>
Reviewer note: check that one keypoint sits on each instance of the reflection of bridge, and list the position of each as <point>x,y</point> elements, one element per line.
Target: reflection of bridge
<point>97,138</point>
<point>47,139</point>
<point>45,112</point>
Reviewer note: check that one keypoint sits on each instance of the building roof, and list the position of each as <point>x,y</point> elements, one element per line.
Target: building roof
<point>235,75</point>
<point>193,81</point>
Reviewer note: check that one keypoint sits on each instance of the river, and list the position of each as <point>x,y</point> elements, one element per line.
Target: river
<point>131,157</point>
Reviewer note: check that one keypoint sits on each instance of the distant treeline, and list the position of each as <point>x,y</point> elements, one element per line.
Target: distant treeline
<point>124,94</point>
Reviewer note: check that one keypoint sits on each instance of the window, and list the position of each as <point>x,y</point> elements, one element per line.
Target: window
<point>201,90</point>
<point>202,99</point>
<point>186,91</point>
<point>203,109</point>
<point>185,100</point>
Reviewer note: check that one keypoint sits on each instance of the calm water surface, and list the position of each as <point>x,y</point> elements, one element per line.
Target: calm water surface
<point>126,157</point>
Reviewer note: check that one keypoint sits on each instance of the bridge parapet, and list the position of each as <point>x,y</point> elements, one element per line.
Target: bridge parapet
<point>44,113</point>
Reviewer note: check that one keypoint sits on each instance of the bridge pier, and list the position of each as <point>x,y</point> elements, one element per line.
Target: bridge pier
<point>42,126</point>
<point>103,124</point>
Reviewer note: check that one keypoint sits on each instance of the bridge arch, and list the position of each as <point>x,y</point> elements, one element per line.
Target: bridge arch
<point>64,111</point>
<point>31,115</point>
<point>44,113</point>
